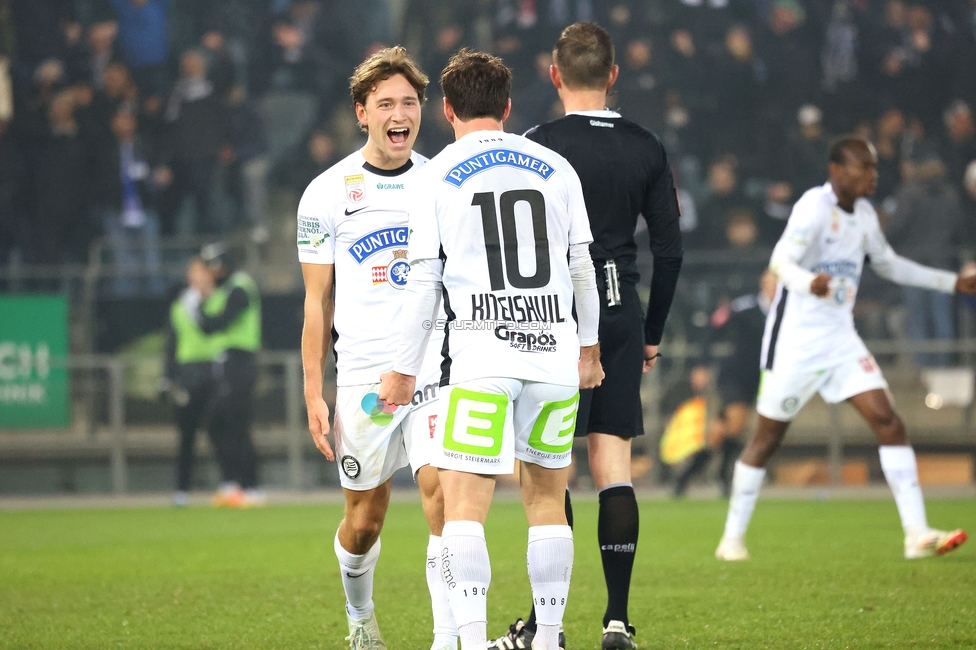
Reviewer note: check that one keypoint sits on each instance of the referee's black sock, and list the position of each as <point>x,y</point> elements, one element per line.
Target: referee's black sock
<point>619,524</point>
<point>530,624</point>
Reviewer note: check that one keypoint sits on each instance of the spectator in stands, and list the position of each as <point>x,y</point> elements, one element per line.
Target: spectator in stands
<point>723,196</point>
<point>60,225</point>
<point>309,51</point>
<point>117,93</point>
<point>640,87</point>
<point>144,38</point>
<point>124,186</point>
<point>101,51</point>
<point>197,121</point>
<point>220,63</point>
<point>889,142</point>
<point>927,226</point>
<point>792,76</point>
<point>40,28</point>
<point>536,102</point>
<point>741,230</point>
<point>316,154</point>
<point>688,75</point>
<point>808,148</point>
<point>738,84</point>
<point>246,151</point>
<point>960,139</point>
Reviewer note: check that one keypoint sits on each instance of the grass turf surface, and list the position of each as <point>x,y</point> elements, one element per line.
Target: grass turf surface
<point>823,575</point>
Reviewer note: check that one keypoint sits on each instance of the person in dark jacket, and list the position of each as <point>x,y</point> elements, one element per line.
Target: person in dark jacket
<point>124,189</point>
<point>196,129</point>
<point>927,227</point>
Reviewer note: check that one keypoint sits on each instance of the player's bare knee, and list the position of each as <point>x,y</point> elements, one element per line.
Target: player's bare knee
<point>889,428</point>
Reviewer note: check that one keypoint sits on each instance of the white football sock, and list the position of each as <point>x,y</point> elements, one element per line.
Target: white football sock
<point>466,571</point>
<point>546,637</point>
<point>746,481</point>
<point>550,560</point>
<point>445,630</point>
<point>357,578</point>
<point>901,472</point>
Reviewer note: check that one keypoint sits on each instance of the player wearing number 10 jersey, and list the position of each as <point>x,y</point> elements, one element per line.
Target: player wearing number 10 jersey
<point>499,230</point>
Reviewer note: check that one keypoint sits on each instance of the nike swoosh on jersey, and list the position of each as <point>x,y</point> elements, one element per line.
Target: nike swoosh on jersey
<point>349,212</point>
<point>356,575</point>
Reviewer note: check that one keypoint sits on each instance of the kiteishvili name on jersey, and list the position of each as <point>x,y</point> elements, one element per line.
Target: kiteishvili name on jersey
<point>519,308</point>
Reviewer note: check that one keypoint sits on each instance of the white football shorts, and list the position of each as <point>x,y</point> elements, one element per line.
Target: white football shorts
<point>784,390</point>
<point>375,439</point>
<point>484,425</point>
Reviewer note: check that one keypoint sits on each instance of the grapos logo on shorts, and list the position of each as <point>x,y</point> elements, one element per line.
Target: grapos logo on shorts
<point>475,422</point>
<point>552,433</point>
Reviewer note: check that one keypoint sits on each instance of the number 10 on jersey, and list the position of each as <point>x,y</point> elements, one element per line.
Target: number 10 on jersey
<point>494,244</point>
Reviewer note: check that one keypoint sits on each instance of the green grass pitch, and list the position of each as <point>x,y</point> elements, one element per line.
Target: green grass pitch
<point>826,574</point>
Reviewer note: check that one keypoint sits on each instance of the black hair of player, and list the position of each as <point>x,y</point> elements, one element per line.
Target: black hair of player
<point>584,55</point>
<point>476,84</point>
<point>844,145</point>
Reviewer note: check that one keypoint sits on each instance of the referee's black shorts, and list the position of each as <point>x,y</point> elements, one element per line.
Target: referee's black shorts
<point>615,407</point>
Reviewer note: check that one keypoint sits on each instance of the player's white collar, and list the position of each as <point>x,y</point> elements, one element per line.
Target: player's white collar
<point>601,113</point>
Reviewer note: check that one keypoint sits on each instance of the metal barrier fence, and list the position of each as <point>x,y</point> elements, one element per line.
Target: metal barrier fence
<point>116,415</point>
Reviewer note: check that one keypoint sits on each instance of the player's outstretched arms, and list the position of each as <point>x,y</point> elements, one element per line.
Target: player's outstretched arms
<point>396,388</point>
<point>590,369</point>
<point>820,285</point>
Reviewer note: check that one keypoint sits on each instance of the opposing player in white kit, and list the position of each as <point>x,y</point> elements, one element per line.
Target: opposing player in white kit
<point>352,241</point>
<point>500,232</point>
<point>810,344</point>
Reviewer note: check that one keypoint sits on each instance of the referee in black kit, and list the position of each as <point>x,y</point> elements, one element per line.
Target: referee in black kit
<point>625,173</point>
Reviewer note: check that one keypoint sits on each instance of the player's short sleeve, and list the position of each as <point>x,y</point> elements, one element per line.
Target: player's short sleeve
<point>316,233</point>
<point>579,221</point>
<point>425,241</point>
<point>804,226</point>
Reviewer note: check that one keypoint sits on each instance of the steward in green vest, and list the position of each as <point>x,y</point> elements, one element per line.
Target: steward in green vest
<point>230,315</point>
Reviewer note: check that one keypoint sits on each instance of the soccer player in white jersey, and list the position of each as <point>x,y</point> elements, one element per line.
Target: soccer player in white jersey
<point>352,243</point>
<point>810,344</point>
<point>500,232</point>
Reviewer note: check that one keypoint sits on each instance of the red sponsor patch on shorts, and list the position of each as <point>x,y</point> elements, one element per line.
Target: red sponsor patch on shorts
<point>868,364</point>
<point>432,423</point>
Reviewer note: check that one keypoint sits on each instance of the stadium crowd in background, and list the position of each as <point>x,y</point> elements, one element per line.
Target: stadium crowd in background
<point>234,99</point>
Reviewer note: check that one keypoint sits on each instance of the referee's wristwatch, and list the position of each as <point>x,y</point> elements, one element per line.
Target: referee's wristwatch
<point>656,356</point>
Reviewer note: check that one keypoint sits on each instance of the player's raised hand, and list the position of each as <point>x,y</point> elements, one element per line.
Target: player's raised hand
<point>590,369</point>
<point>396,388</point>
<point>820,286</point>
<point>318,426</point>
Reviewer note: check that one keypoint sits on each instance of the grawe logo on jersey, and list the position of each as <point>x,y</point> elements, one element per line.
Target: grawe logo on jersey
<point>493,158</point>
<point>391,186</point>
<point>355,188</point>
<point>377,241</point>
